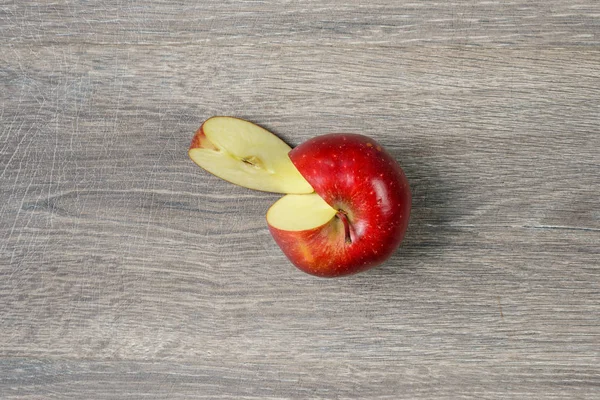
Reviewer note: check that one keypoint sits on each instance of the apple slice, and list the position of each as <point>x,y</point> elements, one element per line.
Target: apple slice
<point>247,155</point>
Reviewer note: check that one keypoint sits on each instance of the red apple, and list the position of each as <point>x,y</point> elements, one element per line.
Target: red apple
<point>358,215</point>
<point>350,204</point>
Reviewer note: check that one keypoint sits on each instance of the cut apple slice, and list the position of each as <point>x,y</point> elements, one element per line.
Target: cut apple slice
<point>300,212</point>
<point>247,155</point>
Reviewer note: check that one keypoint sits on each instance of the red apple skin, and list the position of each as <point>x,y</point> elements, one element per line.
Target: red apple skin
<point>355,174</point>
<point>200,140</point>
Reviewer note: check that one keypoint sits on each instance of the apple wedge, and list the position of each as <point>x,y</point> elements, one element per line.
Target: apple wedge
<point>247,155</point>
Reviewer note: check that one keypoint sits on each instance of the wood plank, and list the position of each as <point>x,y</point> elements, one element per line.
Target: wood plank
<point>301,378</point>
<point>127,271</point>
<point>313,23</point>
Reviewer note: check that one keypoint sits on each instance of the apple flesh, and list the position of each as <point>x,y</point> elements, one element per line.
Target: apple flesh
<point>358,215</point>
<point>245,154</point>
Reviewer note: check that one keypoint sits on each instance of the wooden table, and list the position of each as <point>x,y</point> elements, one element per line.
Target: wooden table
<point>126,272</point>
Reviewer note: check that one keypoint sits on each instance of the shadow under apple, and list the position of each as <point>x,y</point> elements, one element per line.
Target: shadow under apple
<point>433,210</point>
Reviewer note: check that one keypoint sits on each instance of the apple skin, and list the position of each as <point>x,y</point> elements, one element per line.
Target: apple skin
<point>355,174</point>
<point>200,141</point>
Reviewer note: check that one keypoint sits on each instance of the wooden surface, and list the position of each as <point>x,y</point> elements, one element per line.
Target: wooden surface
<point>126,272</point>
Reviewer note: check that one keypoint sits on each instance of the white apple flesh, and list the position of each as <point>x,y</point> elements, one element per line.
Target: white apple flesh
<point>247,155</point>
<point>299,212</point>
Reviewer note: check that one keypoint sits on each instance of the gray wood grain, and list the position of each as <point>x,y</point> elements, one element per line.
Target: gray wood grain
<point>305,23</point>
<point>127,272</point>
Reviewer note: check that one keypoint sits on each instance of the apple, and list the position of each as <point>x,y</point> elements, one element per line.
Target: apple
<point>245,154</point>
<point>357,216</point>
<point>347,202</point>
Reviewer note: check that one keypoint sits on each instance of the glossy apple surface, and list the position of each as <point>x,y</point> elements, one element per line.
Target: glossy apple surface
<point>369,204</point>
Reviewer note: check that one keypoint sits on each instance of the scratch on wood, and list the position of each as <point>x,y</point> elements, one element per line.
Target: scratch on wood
<point>500,307</point>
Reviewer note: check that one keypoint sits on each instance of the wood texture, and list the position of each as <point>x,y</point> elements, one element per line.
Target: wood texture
<point>127,272</point>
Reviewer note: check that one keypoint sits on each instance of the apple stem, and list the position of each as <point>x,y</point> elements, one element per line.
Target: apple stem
<point>341,214</point>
